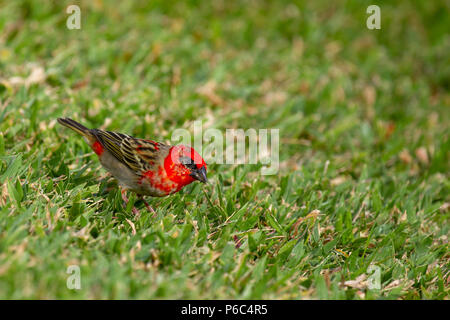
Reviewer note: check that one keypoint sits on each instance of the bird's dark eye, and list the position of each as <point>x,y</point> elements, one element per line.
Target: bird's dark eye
<point>188,163</point>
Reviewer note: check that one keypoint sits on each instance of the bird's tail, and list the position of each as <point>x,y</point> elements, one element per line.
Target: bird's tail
<point>77,127</point>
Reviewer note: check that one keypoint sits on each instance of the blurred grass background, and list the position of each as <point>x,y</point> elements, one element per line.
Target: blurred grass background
<point>364,123</point>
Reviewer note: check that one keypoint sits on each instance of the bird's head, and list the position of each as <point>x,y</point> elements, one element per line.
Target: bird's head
<point>184,165</point>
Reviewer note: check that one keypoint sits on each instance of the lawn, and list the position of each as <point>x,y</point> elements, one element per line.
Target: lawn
<point>359,208</point>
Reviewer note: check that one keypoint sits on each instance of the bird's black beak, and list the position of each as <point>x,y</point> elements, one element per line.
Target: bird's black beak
<point>199,174</point>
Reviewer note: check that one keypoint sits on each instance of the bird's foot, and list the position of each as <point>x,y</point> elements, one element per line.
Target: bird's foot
<point>125,199</point>
<point>149,208</point>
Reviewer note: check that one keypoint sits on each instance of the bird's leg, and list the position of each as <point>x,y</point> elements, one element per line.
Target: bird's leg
<point>125,199</point>
<point>149,208</point>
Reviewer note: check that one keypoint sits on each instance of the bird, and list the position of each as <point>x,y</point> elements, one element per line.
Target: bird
<point>142,166</point>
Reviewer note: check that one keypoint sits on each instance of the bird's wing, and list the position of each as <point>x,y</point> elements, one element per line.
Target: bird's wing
<point>138,154</point>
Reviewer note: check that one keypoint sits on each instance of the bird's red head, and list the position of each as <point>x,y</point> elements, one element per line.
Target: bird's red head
<point>184,165</point>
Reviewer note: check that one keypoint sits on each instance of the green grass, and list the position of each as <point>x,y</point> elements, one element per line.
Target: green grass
<point>364,126</point>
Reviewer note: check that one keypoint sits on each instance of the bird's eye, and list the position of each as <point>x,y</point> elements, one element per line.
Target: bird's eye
<point>188,163</point>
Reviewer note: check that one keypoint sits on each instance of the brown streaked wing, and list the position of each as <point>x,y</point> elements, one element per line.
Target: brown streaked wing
<point>150,151</point>
<point>138,154</point>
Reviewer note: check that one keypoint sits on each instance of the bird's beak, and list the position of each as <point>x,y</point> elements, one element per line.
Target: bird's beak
<point>200,175</point>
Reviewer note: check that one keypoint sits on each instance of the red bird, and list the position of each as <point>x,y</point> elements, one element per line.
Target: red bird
<point>143,166</point>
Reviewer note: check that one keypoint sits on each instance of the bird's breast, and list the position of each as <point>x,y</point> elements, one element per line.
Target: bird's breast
<point>157,181</point>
